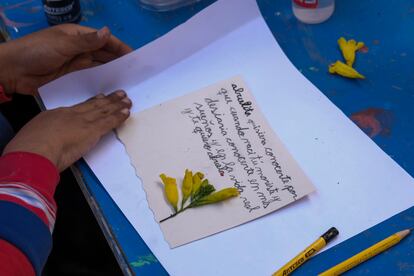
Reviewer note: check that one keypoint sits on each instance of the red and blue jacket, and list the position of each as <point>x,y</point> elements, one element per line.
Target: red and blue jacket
<point>27,212</point>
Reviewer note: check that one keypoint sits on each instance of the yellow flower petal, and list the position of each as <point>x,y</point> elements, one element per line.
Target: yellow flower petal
<point>344,70</point>
<point>187,185</point>
<point>218,196</point>
<point>196,184</point>
<point>171,190</point>
<point>200,175</point>
<point>348,49</point>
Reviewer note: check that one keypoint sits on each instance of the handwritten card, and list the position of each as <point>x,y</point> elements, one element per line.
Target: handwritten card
<point>221,132</point>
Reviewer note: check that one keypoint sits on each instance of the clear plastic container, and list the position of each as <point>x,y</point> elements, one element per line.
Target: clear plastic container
<point>313,11</point>
<point>165,5</point>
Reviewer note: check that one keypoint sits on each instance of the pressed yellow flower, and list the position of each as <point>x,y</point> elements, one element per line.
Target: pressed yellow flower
<point>201,191</point>
<point>349,48</point>
<point>196,184</point>
<point>187,186</point>
<point>171,190</point>
<point>218,196</point>
<point>344,70</point>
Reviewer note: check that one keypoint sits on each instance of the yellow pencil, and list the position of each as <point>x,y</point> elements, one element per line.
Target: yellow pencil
<point>366,254</point>
<point>307,253</point>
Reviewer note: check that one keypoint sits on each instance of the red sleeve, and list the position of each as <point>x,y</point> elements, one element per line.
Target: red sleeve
<point>32,170</point>
<point>30,180</point>
<point>27,181</point>
<point>13,261</point>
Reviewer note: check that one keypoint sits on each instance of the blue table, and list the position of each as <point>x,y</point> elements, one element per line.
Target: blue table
<point>382,105</point>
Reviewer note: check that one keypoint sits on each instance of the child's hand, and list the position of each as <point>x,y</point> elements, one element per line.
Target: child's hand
<point>33,60</point>
<point>64,135</point>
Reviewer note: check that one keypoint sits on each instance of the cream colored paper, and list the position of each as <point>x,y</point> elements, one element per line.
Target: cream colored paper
<point>220,131</point>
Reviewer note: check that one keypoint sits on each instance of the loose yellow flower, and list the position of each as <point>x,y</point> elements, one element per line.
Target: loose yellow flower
<point>171,190</point>
<point>349,48</point>
<point>344,70</point>
<point>218,196</point>
<point>187,185</point>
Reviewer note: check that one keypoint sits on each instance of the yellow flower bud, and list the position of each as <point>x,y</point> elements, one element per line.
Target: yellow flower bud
<point>218,196</point>
<point>187,186</point>
<point>200,175</point>
<point>196,184</point>
<point>171,190</point>
<point>344,70</point>
<point>349,48</point>
<point>204,182</point>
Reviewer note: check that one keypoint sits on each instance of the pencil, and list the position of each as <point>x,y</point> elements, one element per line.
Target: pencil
<point>307,253</point>
<point>367,253</point>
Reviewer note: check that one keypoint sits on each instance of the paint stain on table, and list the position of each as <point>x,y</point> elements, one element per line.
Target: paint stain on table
<point>374,121</point>
<point>364,50</point>
<point>144,260</point>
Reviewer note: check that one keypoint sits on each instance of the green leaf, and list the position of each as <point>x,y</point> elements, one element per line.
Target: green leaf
<point>204,190</point>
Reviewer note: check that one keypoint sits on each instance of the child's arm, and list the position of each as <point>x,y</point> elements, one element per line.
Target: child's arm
<point>27,212</point>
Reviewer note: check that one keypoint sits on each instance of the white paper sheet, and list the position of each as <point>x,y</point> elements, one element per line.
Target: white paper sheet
<point>352,175</point>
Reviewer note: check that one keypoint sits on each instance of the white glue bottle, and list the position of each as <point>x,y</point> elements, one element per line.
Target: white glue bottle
<point>313,11</point>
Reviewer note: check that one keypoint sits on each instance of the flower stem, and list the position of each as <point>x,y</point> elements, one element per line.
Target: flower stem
<point>176,213</point>
<point>173,215</point>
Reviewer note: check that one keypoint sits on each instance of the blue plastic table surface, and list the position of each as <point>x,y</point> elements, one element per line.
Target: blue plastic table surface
<point>382,105</point>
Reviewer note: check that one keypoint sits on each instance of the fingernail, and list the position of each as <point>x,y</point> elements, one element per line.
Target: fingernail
<point>125,111</point>
<point>126,100</point>
<point>103,32</point>
<point>120,93</point>
<point>100,96</point>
